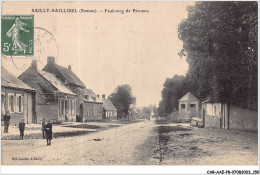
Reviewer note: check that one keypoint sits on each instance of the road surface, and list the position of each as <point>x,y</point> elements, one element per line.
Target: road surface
<point>143,143</point>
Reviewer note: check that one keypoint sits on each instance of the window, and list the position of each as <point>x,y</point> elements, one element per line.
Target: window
<point>19,103</point>
<point>71,106</point>
<point>215,110</point>
<point>68,110</point>
<point>66,106</point>
<point>62,107</point>
<point>95,111</point>
<point>182,106</point>
<point>3,103</point>
<point>11,102</point>
<point>192,105</point>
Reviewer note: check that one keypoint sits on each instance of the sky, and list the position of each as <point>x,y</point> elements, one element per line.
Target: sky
<point>108,49</point>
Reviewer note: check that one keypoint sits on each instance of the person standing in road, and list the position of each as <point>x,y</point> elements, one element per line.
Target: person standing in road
<point>21,128</point>
<point>43,128</point>
<point>48,132</point>
<point>7,118</point>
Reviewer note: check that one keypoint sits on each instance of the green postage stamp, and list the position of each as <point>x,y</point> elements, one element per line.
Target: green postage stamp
<point>17,35</point>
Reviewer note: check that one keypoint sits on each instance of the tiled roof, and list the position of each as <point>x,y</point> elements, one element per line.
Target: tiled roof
<point>189,97</point>
<point>55,82</point>
<point>70,76</point>
<point>90,93</point>
<point>108,105</point>
<point>9,80</point>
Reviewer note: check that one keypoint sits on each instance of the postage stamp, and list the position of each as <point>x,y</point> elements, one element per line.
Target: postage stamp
<point>17,35</point>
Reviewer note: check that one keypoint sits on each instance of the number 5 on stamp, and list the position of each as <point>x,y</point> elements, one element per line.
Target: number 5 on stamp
<point>17,35</point>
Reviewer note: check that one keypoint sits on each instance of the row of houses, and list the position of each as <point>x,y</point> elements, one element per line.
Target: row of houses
<point>55,92</point>
<point>217,115</point>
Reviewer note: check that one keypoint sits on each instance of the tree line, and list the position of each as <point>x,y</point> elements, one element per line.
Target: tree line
<point>220,46</point>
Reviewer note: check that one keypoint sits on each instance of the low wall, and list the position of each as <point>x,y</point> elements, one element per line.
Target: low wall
<point>92,118</point>
<point>212,122</point>
<point>48,112</point>
<point>243,119</point>
<point>16,118</point>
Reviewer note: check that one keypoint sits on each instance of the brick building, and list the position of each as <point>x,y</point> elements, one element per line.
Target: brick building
<point>109,110</point>
<point>17,98</point>
<point>71,80</point>
<point>93,107</point>
<point>53,98</point>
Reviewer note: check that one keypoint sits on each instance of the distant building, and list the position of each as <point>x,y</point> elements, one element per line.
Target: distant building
<point>188,107</point>
<point>93,107</point>
<point>71,80</point>
<point>17,98</point>
<point>109,110</point>
<point>53,98</point>
<point>226,116</point>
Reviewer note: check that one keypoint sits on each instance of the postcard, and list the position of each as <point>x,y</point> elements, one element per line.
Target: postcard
<point>129,83</point>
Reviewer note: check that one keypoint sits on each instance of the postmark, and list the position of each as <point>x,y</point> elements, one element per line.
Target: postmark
<point>17,35</point>
<point>45,44</point>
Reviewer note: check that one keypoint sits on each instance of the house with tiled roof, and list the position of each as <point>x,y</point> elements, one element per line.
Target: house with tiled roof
<point>188,107</point>
<point>109,110</point>
<point>18,98</point>
<point>71,80</point>
<point>53,98</point>
<point>93,107</point>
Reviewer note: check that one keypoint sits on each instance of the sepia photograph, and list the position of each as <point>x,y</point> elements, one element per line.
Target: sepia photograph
<point>130,83</point>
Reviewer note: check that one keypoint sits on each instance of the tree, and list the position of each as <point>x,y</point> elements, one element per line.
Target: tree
<point>155,111</point>
<point>220,42</point>
<point>123,99</point>
<point>174,89</point>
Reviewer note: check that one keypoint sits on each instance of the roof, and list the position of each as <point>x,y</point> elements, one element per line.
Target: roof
<point>189,97</point>
<point>55,82</point>
<point>89,92</point>
<point>92,96</point>
<point>108,105</point>
<point>208,100</point>
<point>9,80</point>
<point>70,76</point>
<point>90,100</point>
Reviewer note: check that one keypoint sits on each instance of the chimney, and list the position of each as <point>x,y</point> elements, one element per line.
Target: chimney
<point>69,67</point>
<point>98,96</point>
<point>34,64</point>
<point>50,60</point>
<point>104,96</point>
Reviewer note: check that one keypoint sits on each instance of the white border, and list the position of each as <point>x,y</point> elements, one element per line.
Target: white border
<point>125,169</point>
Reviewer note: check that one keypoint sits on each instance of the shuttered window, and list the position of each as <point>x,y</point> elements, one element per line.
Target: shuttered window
<point>19,103</point>
<point>11,102</point>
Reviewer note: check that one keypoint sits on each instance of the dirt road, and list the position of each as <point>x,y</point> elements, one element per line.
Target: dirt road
<point>110,147</point>
<point>144,143</point>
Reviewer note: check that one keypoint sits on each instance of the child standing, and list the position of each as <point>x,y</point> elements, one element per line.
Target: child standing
<point>48,132</point>
<point>21,128</point>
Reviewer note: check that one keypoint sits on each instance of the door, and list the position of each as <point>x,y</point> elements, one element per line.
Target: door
<point>29,107</point>
<point>203,117</point>
<point>192,110</point>
<point>81,113</point>
<point>25,107</point>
